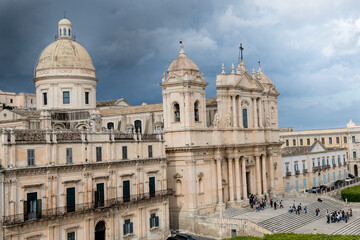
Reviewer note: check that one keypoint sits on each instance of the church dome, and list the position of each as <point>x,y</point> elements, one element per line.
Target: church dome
<point>263,79</point>
<point>64,53</point>
<point>182,64</point>
<point>64,56</point>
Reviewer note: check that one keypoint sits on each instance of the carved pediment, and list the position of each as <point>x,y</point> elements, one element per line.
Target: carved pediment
<point>178,175</point>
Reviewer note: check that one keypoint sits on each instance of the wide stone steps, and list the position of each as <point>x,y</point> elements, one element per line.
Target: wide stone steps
<point>352,228</point>
<point>287,222</point>
<point>232,212</point>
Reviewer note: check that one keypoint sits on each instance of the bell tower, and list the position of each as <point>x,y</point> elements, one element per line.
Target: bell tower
<point>184,102</point>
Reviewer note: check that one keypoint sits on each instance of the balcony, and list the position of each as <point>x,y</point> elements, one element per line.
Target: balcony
<point>297,172</point>
<point>334,165</point>
<point>41,215</point>
<point>324,167</point>
<point>288,174</point>
<point>340,164</point>
<point>317,168</point>
<point>305,171</point>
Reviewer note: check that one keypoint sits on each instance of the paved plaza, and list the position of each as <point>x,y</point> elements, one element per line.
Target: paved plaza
<point>281,221</point>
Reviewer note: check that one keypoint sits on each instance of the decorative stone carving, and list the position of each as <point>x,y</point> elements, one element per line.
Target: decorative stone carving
<point>217,119</point>
<point>228,120</point>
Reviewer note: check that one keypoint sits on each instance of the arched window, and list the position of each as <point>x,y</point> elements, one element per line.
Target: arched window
<point>176,112</point>
<point>110,125</point>
<point>60,32</point>
<point>69,32</point>
<point>201,185</point>
<point>137,124</point>
<point>196,111</point>
<point>178,187</point>
<point>245,118</point>
<point>64,30</point>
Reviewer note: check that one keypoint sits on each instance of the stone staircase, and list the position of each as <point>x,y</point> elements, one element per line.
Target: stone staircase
<point>352,228</point>
<point>232,212</point>
<point>287,222</point>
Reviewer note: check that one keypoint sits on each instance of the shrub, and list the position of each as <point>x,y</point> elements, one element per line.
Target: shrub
<point>352,194</point>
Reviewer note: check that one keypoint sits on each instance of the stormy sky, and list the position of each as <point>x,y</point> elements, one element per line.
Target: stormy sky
<point>309,49</point>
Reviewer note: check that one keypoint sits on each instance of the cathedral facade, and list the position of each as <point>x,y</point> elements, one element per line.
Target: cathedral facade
<point>75,168</point>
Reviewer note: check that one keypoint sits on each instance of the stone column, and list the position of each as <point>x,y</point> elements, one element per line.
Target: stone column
<point>231,179</point>
<point>219,181</point>
<point>240,114</point>
<point>92,229</point>
<point>237,179</point>
<point>271,172</point>
<point>255,113</point>
<point>243,174</point>
<point>263,168</point>
<point>261,114</point>
<point>258,174</point>
<point>234,111</point>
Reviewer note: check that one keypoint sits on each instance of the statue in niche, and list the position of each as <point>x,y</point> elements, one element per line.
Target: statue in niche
<point>228,120</point>
<point>217,119</point>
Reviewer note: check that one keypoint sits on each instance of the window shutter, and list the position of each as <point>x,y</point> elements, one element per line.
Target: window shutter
<point>156,221</point>
<point>96,198</point>
<point>38,208</point>
<point>26,207</point>
<point>124,228</point>
<point>131,227</point>
<point>151,223</point>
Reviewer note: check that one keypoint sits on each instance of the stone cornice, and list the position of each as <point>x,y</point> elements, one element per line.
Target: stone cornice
<point>222,147</point>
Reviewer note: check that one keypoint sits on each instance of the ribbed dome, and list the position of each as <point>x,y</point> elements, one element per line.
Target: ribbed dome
<point>265,80</point>
<point>64,54</point>
<point>182,63</point>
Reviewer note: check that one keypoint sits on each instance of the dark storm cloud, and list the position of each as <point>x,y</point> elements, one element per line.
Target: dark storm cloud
<point>309,49</point>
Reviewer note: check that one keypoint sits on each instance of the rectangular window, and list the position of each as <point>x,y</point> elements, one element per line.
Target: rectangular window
<point>128,227</point>
<point>98,154</point>
<point>66,97</point>
<point>154,220</point>
<point>70,199</point>
<point>11,101</point>
<point>339,174</point>
<point>31,157</point>
<point>45,98</point>
<point>86,97</point>
<point>337,140</point>
<point>126,190</point>
<point>313,163</point>
<point>245,120</point>
<point>354,155</point>
<point>301,142</point>
<point>287,142</point>
<point>68,155</point>
<point>333,161</point>
<point>150,154</point>
<point>339,160</point>
<point>99,195</point>
<point>124,152</point>
<point>345,140</point>
<point>71,236</point>
<point>353,139</point>
<point>287,168</point>
<point>294,142</point>
<point>308,141</point>
<point>152,186</point>
<point>334,176</point>
<point>330,140</point>
<point>323,140</point>
<point>32,207</point>
<point>296,167</point>
<point>304,165</point>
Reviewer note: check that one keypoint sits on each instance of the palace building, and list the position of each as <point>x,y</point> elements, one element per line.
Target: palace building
<point>75,168</point>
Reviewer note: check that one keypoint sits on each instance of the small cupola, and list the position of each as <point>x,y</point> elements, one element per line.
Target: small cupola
<point>64,28</point>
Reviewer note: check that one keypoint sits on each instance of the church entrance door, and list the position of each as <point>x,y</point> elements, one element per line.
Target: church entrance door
<point>355,170</point>
<point>248,183</point>
<point>100,231</point>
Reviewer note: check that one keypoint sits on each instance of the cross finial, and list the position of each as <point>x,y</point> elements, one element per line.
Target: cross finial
<point>259,64</point>
<point>241,51</point>
<point>182,52</point>
<point>64,14</point>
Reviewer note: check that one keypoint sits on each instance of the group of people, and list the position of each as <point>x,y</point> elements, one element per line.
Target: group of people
<point>261,204</point>
<point>337,216</point>
<point>297,209</point>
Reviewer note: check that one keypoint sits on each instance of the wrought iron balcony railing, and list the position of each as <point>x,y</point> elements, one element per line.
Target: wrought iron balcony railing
<point>40,215</point>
